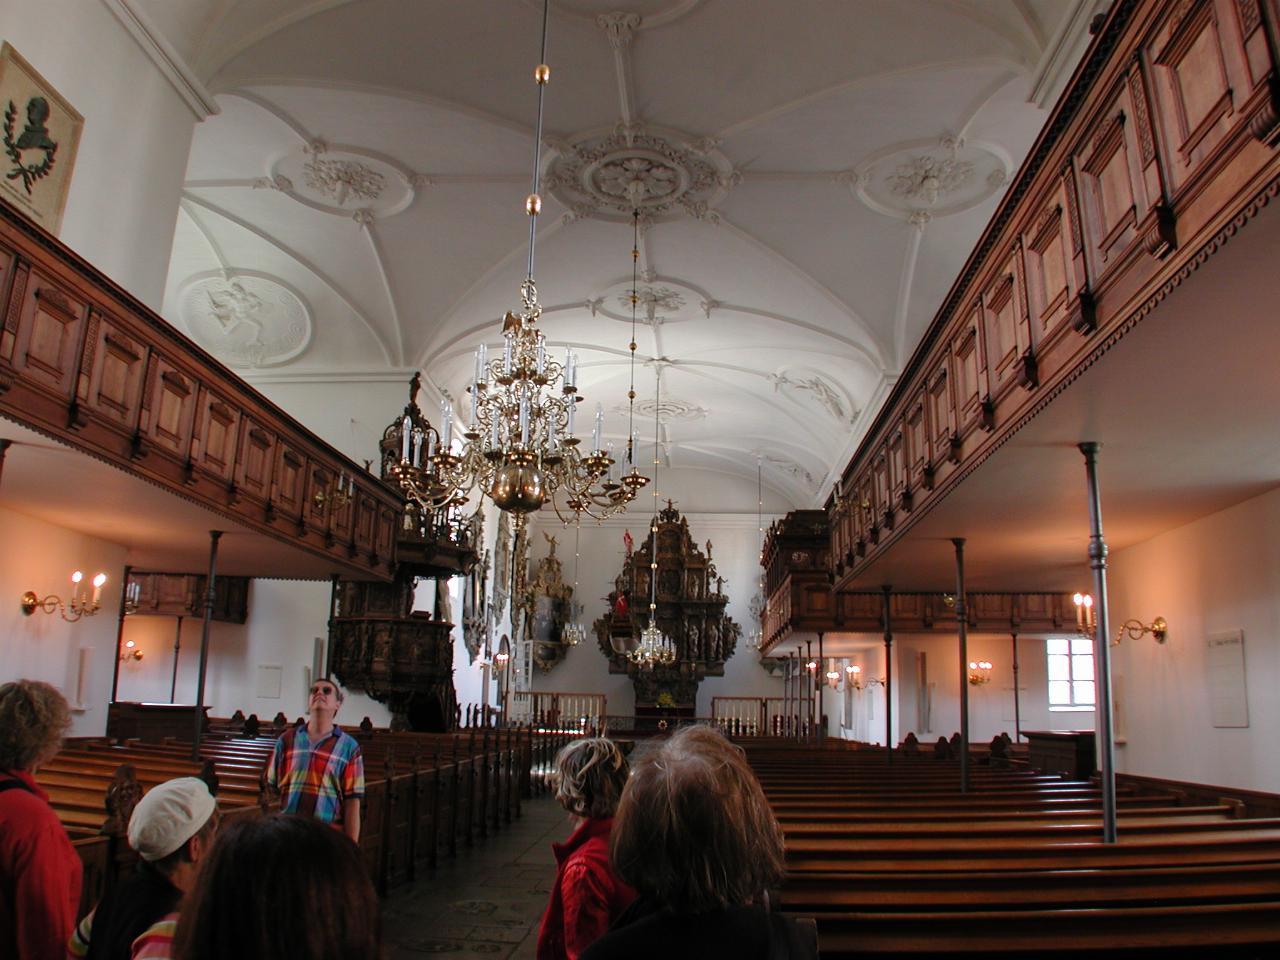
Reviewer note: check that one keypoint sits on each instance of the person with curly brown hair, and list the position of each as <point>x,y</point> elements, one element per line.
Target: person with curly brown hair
<point>40,874</point>
<point>695,836</point>
<point>588,895</point>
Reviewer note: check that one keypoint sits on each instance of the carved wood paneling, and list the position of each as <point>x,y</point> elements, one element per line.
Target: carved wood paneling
<point>113,388</point>
<point>1162,148</point>
<point>85,363</point>
<point>50,323</point>
<point>1201,80</point>
<point>1047,255</point>
<point>970,385</point>
<point>218,433</point>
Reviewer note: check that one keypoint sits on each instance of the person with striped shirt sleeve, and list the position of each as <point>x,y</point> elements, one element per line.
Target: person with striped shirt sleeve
<point>317,767</point>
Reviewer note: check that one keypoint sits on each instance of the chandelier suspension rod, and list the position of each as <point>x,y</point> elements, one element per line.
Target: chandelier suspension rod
<point>653,540</point>
<point>635,297</point>
<point>543,75</point>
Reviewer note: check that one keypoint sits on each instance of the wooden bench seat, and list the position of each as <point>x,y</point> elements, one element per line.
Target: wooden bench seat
<point>1032,889</point>
<point>1211,927</point>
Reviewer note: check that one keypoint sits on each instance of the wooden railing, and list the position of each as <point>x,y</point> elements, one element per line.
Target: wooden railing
<point>558,710</point>
<point>84,362</point>
<point>1161,149</point>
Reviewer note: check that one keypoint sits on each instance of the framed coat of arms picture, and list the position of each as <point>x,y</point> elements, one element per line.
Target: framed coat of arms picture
<point>41,132</point>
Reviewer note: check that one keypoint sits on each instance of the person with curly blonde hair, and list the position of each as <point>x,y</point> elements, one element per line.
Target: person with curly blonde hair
<point>587,896</point>
<point>40,873</point>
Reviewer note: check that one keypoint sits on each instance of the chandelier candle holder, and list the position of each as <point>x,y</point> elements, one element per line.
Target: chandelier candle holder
<point>520,447</point>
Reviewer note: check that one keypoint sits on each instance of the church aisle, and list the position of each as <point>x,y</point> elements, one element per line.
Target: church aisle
<point>488,900</point>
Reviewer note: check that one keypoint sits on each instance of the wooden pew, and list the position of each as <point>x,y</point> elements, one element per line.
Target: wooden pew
<point>893,861</point>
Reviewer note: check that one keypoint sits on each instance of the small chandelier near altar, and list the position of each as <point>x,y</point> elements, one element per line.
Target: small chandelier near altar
<point>519,447</point>
<point>655,648</point>
<point>573,632</point>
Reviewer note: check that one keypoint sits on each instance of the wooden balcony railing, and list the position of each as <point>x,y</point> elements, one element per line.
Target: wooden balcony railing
<point>1162,147</point>
<point>84,362</point>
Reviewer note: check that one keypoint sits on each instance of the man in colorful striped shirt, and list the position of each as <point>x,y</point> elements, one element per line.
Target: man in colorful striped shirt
<point>317,767</point>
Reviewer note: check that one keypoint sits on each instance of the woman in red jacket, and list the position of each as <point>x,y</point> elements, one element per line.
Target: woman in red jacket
<point>39,869</point>
<point>588,895</point>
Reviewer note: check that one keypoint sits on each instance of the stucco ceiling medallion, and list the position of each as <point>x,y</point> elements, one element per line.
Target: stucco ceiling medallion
<point>344,181</point>
<point>661,173</point>
<point>921,181</point>
<point>246,320</point>
<point>659,301</point>
<point>666,409</point>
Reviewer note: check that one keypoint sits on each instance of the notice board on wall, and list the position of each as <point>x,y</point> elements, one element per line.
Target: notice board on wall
<point>1224,672</point>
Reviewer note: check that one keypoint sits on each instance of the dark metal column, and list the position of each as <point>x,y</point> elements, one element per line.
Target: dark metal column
<point>209,598</point>
<point>124,595</point>
<point>820,681</point>
<point>888,673</point>
<point>177,649</point>
<point>962,625</point>
<point>1101,648</point>
<point>333,614</point>
<point>1017,711</point>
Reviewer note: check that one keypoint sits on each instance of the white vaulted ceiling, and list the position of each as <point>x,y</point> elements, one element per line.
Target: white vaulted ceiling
<point>812,175</point>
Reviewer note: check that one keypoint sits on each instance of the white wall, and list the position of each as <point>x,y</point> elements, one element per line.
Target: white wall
<point>285,618</point>
<point>735,541</point>
<point>123,201</point>
<point>348,415</point>
<point>44,646</point>
<point>1220,573</point>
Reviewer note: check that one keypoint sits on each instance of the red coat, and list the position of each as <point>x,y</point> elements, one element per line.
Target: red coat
<point>39,873</point>
<point>588,895</point>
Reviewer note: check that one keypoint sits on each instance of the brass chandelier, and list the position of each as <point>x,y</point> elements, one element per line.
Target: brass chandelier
<point>519,447</point>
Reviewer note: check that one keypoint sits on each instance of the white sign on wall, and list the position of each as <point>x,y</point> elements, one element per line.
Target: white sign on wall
<point>269,675</point>
<point>1224,672</point>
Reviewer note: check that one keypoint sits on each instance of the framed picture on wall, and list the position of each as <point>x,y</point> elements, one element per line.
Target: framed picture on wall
<point>41,133</point>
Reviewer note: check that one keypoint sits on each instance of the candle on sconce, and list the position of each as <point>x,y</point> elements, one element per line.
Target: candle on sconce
<point>417,447</point>
<point>573,409</point>
<point>599,428</point>
<point>406,428</point>
<point>524,418</point>
<point>98,581</point>
<point>446,425</point>
<point>506,355</point>
<point>540,357</point>
<point>431,447</point>
<point>570,368</point>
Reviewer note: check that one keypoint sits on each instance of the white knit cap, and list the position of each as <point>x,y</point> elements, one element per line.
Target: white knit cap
<point>168,816</point>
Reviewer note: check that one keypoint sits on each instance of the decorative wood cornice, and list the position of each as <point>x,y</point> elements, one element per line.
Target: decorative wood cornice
<point>1147,202</point>
<point>84,362</point>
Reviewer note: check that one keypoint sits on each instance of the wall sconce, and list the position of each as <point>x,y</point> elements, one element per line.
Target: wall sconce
<point>132,597</point>
<point>130,652</point>
<point>853,677</point>
<point>1136,629</point>
<point>833,678</point>
<point>339,496</point>
<point>81,603</point>
<point>1085,621</point>
<point>979,672</point>
<point>501,659</point>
